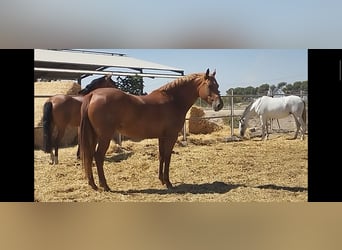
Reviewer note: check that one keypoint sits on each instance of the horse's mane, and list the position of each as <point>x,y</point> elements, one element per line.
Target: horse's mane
<point>257,101</point>
<point>181,81</point>
<point>88,87</point>
<point>92,85</point>
<point>94,81</point>
<point>247,109</point>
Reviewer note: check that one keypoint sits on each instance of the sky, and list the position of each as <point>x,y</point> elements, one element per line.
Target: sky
<point>234,67</point>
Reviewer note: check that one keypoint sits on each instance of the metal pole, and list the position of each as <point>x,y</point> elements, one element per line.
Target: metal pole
<point>184,131</point>
<point>78,71</point>
<point>232,114</point>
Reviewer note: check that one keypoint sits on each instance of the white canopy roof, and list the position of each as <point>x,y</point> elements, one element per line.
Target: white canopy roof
<point>77,64</point>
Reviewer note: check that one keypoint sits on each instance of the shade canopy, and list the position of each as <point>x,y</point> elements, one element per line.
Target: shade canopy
<point>78,64</point>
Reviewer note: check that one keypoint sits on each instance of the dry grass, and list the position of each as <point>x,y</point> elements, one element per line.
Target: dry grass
<point>207,169</point>
<point>196,125</point>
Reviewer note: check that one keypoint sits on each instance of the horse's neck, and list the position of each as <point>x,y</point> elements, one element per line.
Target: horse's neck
<point>184,95</point>
<point>255,107</point>
<point>247,112</point>
<point>188,97</point>
<point>250,112</point>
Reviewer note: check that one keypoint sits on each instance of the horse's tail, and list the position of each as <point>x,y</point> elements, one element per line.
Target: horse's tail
<point>87,138</point>
<point>47,127</point>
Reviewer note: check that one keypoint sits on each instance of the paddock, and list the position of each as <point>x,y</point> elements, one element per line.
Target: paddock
<point>207,169</point>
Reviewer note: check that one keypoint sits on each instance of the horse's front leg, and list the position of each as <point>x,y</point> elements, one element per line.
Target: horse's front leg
<point>161,161</point>
<point>167,146</point>
<point>264,134</point>
<point>263,128</point>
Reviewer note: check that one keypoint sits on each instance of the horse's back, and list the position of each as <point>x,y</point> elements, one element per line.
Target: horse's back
<point>66,109</point>
<point>139,117</point>
<point>269,106</point>
<point>295,104</point>
<point>279,107</point>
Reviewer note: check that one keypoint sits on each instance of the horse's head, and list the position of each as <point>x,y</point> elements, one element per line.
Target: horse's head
<point>102,82</point>
<point>242,126</point>
<point>108,82</point>
<point>209,92</point>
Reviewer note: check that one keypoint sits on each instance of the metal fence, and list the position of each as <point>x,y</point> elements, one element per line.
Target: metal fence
<point>234,106</point>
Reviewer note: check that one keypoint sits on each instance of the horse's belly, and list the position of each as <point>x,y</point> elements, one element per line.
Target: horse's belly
<point>140,132</point>
<point>277,114</point>
<point>151,130</point>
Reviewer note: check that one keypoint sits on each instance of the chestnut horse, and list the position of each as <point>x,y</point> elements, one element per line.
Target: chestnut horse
<point>61,111</point>
<point>160,114</point>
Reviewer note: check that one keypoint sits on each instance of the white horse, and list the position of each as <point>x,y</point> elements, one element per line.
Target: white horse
<point>267,108</point>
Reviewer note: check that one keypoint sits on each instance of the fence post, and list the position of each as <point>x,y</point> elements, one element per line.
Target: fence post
<point>232,114</point>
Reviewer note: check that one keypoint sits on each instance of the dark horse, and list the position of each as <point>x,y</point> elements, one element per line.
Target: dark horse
<point>61,111</point>
<point>160,114</point>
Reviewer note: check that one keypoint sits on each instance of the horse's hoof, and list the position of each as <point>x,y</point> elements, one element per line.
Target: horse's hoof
<point>93,186</point>
<point>169,185</point>
<point>105,188</point>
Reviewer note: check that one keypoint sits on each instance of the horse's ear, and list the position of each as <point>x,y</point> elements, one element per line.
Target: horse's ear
<point>207,73</point>
<point>214,73</point>
<point>108,76</point>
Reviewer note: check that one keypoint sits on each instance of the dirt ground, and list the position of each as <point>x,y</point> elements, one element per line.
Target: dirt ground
<point>210,168</point>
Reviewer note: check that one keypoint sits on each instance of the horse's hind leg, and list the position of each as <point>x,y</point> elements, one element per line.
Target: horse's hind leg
<point>53,147</point>
<point>78,152</point>
<point>302,126</point>
<point>52,158</point>
<point>297,126</point>
<point>78,144</point>
<point>56,154</point>
<point>58,140</point>
<point>101,150</point>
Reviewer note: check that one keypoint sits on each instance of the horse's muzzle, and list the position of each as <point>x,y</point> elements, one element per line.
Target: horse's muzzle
<point>217,104</point>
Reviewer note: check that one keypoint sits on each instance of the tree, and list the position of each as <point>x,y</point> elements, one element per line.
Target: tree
<point>288,89</point>
<point>131,84</point>
<point>281,85</point>
<point>304,86</point>
<point>297,86</point>
<point>250,90</point>
<point>272,87</point>
<point>263,88</point>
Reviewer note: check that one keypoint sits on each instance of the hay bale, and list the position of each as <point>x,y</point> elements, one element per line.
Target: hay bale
<point>50,89</point>
<point>197,125</point>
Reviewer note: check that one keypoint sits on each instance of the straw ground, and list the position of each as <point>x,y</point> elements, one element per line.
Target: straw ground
<point>207,169</point>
